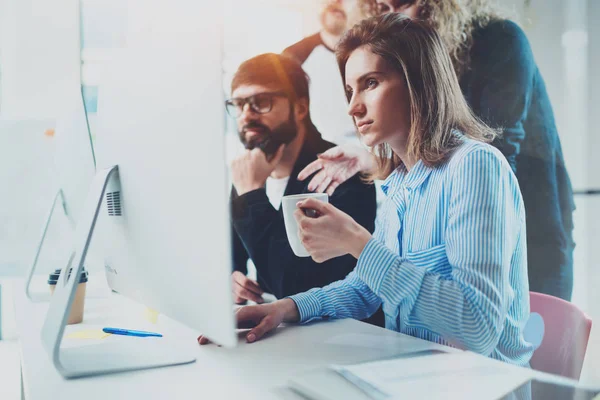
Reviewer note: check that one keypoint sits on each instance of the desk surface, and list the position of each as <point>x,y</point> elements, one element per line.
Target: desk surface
<point>260,370</point>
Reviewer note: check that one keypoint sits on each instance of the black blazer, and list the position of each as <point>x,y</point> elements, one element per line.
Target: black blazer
<point>505,89</point>
<point>258,230</point>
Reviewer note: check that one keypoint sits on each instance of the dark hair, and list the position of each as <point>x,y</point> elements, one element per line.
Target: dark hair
<point>276,71</point>
<point>437,105</point>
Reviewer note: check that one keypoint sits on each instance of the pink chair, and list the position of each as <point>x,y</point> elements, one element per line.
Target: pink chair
<point>566,330</point>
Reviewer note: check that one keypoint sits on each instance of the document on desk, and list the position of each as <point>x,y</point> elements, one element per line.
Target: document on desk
<point>379,342</point>
<point>439,376</point>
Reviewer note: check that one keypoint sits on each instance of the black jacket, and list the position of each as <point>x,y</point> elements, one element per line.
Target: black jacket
<point>259,230</point>
<point>505,89</point>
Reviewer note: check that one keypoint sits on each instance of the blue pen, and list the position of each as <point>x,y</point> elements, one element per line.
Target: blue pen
<point>129,332</point>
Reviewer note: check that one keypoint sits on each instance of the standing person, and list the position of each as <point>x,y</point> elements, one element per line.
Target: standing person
<point>316,53</point>
<point>503,86</point>
<point>448,256</point>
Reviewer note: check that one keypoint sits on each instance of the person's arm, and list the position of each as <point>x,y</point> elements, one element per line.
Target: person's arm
<point>243,288</point>
<point>357,302</point>
<point>348,298</point>
<point>302,49</point>
<point>239,255</point>
<point>262,230</point>
<point>502,85</point>
<point>469,309</point>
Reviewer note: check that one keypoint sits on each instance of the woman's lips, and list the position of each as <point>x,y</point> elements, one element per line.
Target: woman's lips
<point>364,126</point>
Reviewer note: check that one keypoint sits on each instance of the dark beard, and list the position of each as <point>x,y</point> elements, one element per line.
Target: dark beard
<point>269,140</point>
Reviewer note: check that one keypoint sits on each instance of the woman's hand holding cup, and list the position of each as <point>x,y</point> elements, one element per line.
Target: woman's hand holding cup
<point>332,234</point>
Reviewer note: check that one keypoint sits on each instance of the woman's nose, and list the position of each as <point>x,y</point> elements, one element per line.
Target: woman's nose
<point>356,107</point>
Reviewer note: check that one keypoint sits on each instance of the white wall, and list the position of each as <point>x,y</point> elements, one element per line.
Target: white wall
<point>593,13</point>
<point>39,56</point>
<point>39,66</point>
<point>592,203</point>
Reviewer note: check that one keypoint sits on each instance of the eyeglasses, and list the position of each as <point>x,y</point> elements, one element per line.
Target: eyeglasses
<point>260,103</point>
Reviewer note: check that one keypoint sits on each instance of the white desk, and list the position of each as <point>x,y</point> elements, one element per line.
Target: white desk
<point>250,371</point>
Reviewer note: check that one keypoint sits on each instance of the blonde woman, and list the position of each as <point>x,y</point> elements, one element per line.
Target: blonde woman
<point>502,84</point>
<point>448,257</point>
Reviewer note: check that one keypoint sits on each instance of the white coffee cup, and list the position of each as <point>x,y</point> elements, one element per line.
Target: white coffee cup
<point>288,205</point>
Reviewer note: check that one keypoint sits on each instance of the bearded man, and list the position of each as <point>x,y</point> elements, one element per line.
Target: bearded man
<point>270,102</point>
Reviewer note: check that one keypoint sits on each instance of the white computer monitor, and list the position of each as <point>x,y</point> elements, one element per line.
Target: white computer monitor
<point>29,184</point>
<point>159,200</point>
<point>74,168</point>
<point>74,158</point>
<point>170,247</point>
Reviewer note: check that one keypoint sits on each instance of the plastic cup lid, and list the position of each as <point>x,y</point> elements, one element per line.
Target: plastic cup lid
<point>53,277</point>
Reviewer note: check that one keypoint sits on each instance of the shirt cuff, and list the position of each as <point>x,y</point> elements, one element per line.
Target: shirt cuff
<point>309,306</point>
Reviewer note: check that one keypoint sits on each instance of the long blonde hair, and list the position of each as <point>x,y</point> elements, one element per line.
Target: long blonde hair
<point>437,106</point>
<point>454,20</point>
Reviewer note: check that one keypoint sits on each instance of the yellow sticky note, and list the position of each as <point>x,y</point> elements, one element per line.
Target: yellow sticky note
<point>151,315</point>
<point>91,334</point>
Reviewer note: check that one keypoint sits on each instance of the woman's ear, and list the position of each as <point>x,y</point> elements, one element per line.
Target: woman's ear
<point>301,109</point>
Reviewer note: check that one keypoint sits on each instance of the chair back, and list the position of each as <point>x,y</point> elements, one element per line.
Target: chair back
<point>566,331</point>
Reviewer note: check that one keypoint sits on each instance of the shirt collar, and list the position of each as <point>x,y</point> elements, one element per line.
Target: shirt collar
<point>410,180</point>
<point>417,175</point>
<point>413,179</point>
<point>393,181</point>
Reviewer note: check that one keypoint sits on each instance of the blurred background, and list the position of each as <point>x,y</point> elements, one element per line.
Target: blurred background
<point>53,51</point>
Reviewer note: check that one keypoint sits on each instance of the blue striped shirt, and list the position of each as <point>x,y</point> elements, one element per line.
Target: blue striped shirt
<point>447,259</point>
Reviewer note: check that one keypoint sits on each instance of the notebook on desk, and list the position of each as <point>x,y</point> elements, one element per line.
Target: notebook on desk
<point>424,374</point>
<point>340,382</point>
<point>325,384</point>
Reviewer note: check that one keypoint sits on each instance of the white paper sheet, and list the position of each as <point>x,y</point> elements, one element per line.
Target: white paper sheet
<point>441,376</point>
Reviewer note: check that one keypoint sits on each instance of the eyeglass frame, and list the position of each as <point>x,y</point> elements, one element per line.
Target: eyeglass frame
<point>248,100</point>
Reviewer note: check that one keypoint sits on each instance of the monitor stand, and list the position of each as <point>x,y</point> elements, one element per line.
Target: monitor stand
<point>59,195</point>
<point>108,357</point>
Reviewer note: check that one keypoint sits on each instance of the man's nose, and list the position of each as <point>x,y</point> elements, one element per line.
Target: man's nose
<point>248,111</point>
<point>248,115</point>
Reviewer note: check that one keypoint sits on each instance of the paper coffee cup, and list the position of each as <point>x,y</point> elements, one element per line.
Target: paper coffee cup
<point>288,205</point>
<point>76,315</point>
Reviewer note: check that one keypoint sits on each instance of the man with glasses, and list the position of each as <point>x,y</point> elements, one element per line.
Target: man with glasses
<point>270,102</point>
